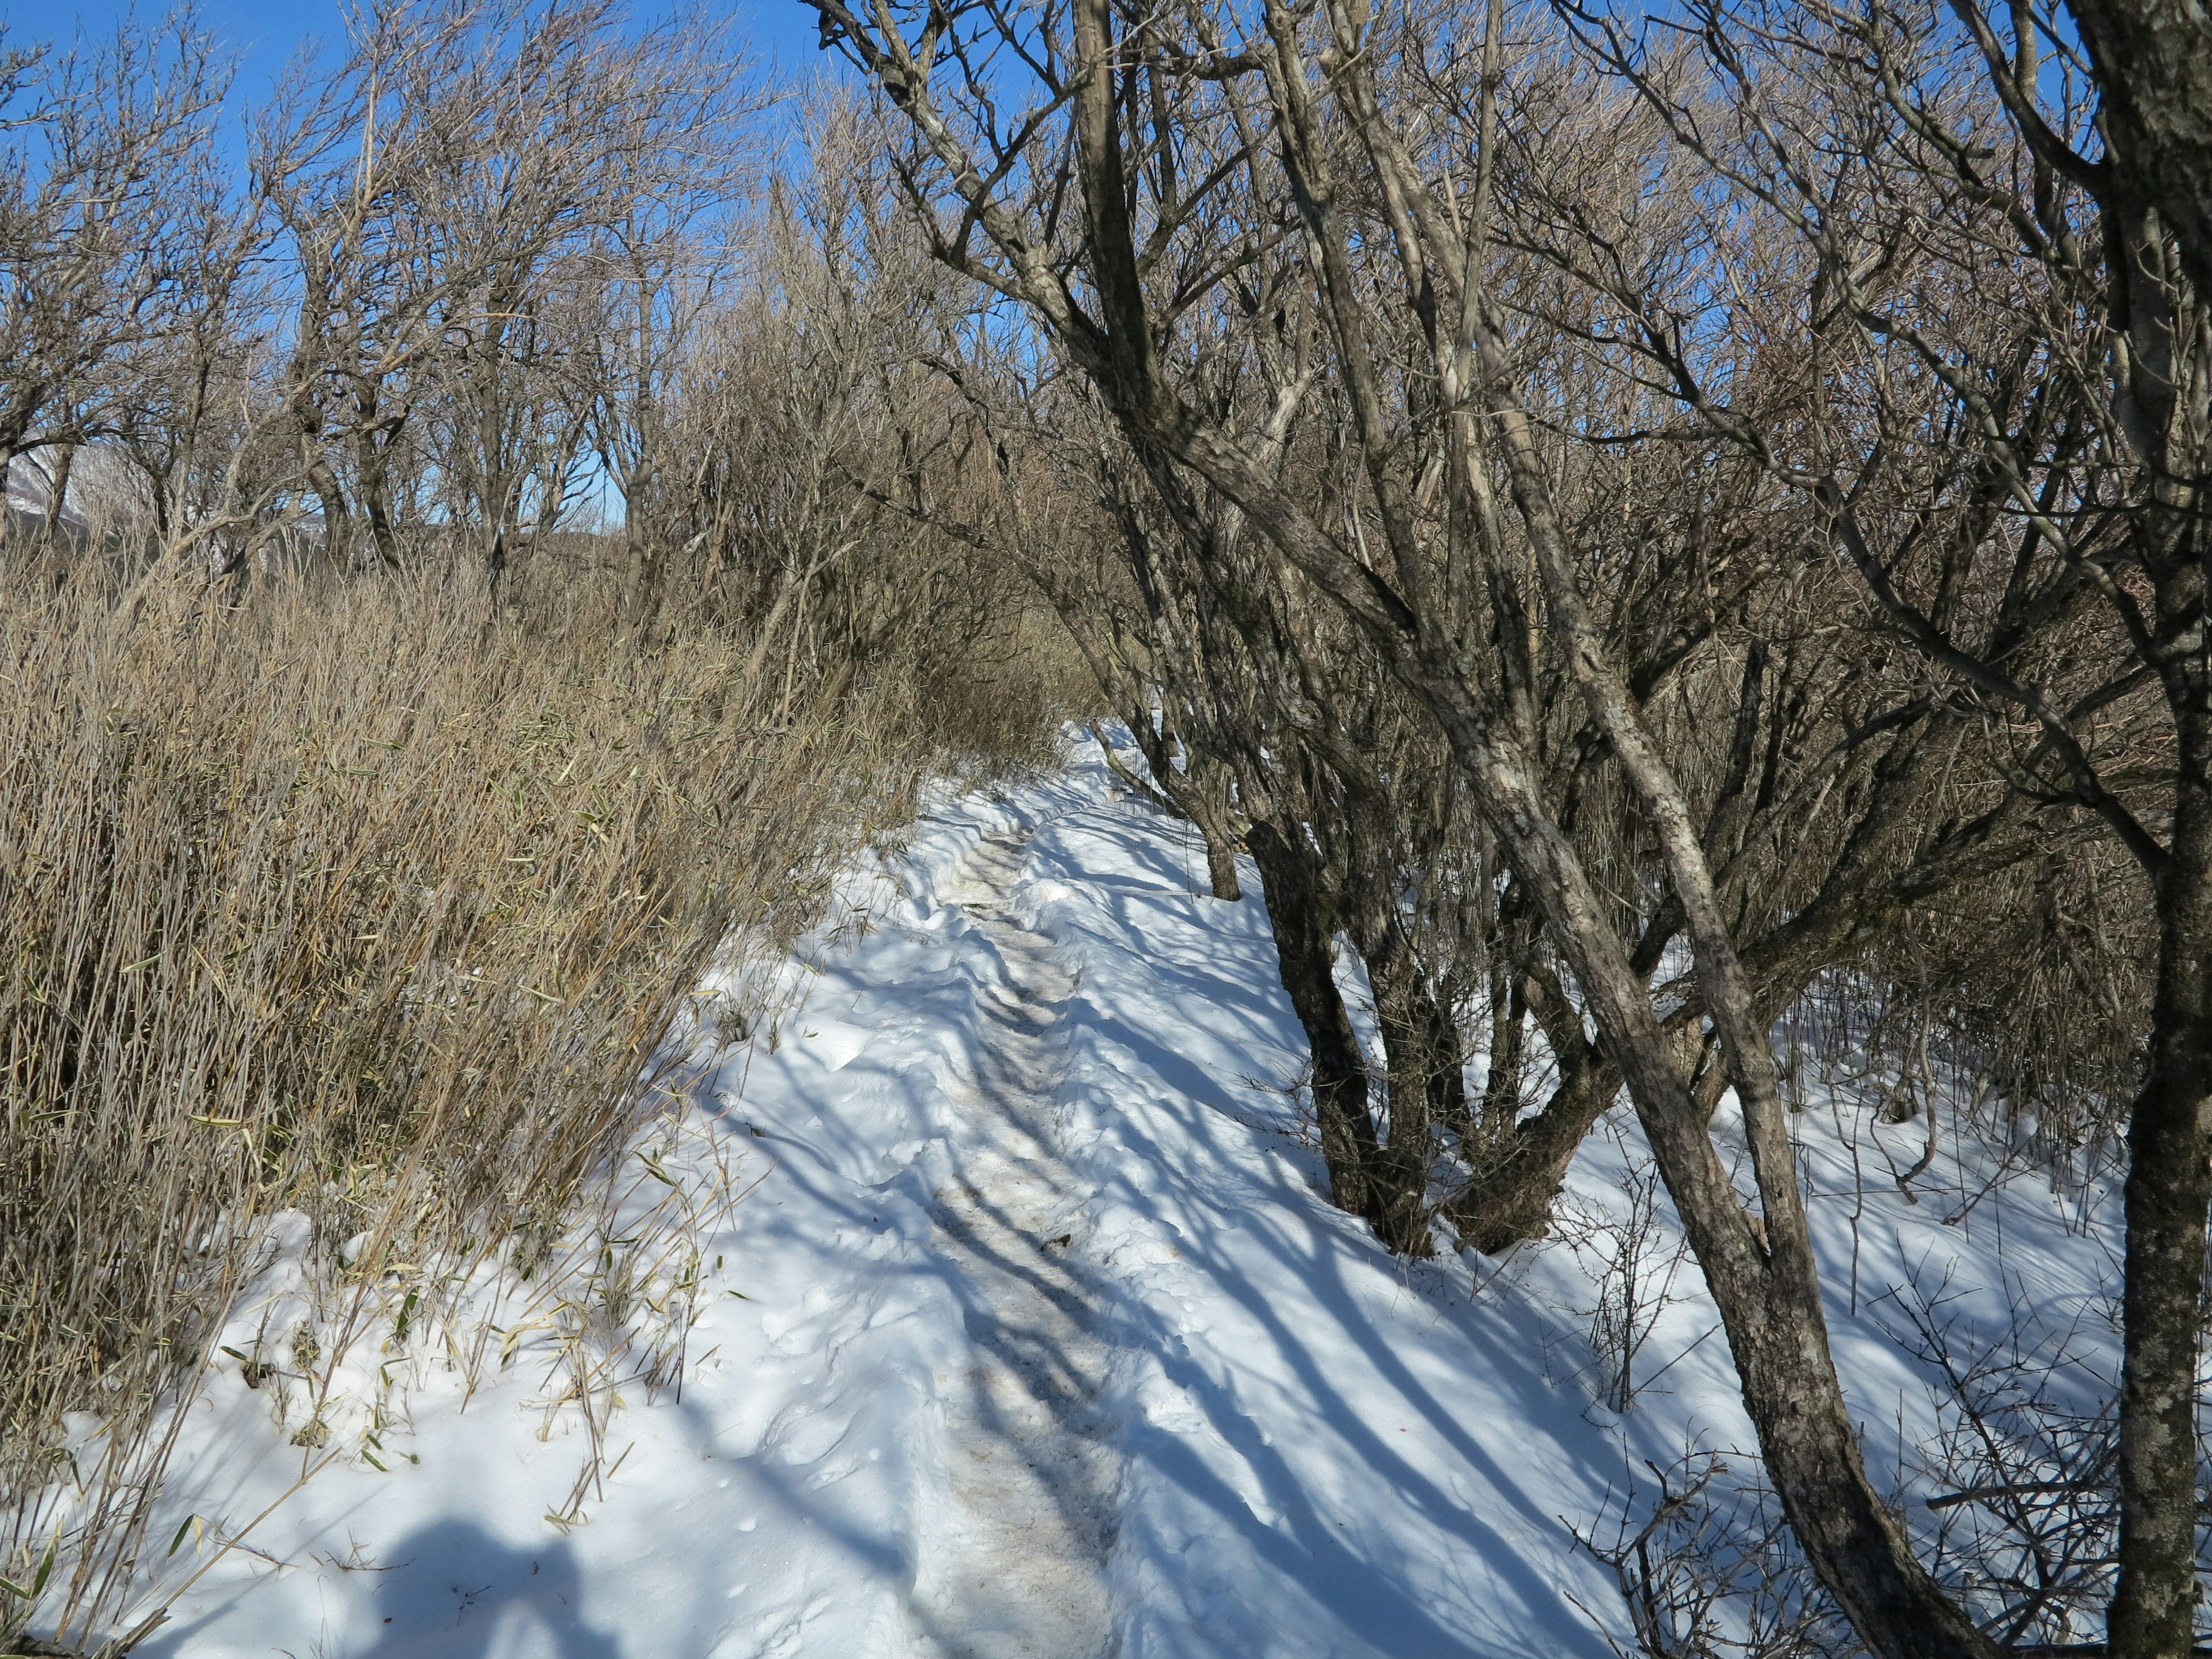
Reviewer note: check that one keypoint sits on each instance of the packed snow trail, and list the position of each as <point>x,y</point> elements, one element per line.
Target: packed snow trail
<point>1035,1336</point>
<point>1013,1570</point>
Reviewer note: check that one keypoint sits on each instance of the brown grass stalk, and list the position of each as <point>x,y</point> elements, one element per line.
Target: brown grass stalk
<point>345,902</point>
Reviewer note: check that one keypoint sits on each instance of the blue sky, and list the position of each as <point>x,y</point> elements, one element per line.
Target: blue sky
<point>265,33</point>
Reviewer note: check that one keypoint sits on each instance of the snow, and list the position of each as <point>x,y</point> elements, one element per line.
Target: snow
<point>1032,1334</point>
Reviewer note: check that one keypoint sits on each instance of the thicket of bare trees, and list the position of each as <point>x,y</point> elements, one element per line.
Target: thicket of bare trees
<point>1639,527</point>
<point>1630,522</point>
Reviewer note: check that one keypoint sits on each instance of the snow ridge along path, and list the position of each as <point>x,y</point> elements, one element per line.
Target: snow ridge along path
<point>1013,1570</point>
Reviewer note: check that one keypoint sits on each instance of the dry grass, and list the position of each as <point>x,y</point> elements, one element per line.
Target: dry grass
<point>345,902</point>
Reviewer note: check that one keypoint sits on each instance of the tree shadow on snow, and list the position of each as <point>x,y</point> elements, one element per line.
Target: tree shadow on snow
<point>1379,1604</point>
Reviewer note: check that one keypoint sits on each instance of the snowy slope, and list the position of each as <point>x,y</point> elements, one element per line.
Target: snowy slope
<point>1032,1334</point>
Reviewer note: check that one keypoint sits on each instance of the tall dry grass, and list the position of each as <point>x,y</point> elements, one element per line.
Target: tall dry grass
<point>347,901</point>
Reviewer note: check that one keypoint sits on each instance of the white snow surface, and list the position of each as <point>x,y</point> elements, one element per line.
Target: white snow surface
<point>1034,1335</point>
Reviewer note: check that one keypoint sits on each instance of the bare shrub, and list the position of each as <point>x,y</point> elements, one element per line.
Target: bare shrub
<point>1632,1254</point>
<point>2023,1526</point>
<point>1707,1569</point>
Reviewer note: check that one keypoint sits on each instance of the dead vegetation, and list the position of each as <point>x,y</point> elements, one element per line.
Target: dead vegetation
<point>1641,535</point>
<point>346,902</point>
<point>431,627</point>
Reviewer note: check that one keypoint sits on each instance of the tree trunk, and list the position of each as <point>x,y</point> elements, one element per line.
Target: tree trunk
<point>322,478</point>
<point>1202,801</point>
<point>1425,1060</point>
<point>648,563</point>
<point>1418,1041</point>
<point>373,462</point>
<point>1221,866</point>
<point>58,491</point>
<point>1140,788</point>
<point>1289,873</point>
<point>2168,1192</point>
<point>1501,1084</point>
<point>2153,60</point>
<point>1762,1272</point>
<point>1214,816</point>
<point>1519,1168</point>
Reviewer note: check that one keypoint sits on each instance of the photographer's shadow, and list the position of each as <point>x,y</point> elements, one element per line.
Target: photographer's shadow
<point>454,1590</point>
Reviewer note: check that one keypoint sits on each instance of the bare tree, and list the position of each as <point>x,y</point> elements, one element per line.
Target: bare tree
<point>1123,224</point>
<point>454,195</point>
<point>2020,480</point>
<point>111,227</point>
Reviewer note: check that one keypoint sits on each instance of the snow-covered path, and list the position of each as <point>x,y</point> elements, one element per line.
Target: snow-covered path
<point>1034,1336</point>
<point>1012,1570</point>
